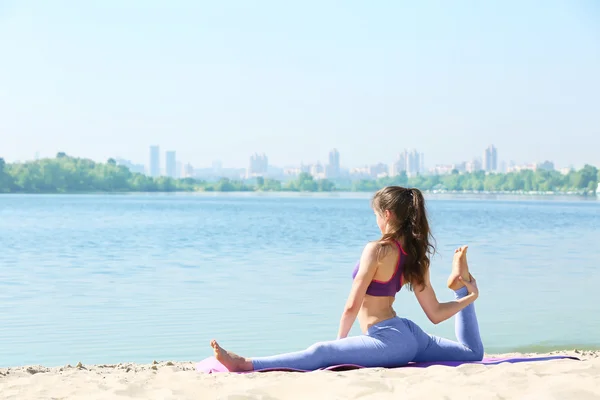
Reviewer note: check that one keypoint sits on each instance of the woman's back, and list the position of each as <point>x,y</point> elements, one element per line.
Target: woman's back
<point>386,282</point>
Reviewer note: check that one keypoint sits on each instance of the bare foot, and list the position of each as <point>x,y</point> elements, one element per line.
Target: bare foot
<point>459,268</point>
<point>231,361</point>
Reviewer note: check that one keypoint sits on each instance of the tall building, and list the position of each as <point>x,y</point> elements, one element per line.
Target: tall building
<point>333,168</point>
<point>413,163</point>
<point>154,169</point>
<point>258,166</point>
<point>188,171</point>
<point>400,165</point>
<point>170,164</point>
<point>378,170</point>
<point>490,159</point>
<point>410,162</point>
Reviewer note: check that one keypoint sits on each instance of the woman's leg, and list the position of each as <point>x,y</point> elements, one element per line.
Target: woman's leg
<point>385,346</point>
<point>469,346</point>
<point>361,350</point>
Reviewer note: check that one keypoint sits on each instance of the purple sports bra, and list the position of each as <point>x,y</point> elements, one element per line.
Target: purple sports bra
<point>387,288</point>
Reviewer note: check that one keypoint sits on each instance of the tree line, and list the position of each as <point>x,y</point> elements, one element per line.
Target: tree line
<point>65,174</point>
<point>582,181</point>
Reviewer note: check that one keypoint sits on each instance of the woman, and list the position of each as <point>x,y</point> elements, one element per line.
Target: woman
<point>399,258</point>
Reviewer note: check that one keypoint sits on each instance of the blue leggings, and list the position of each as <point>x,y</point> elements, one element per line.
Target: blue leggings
<point>390,343</point>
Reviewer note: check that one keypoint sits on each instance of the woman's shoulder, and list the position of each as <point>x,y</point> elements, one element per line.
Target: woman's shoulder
<point>381,249</point>
<point>376,245</point>
<point>371,247</point>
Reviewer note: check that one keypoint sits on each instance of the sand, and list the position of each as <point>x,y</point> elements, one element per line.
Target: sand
<point>557,379</point>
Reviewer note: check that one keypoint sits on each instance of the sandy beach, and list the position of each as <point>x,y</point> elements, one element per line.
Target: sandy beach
<point>556,379</point>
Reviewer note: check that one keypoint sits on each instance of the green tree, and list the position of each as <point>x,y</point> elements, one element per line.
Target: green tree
<point>6,180</point>
<point>583,177</point>
<point>272,185</point>
<point>366,185</point>
<point>325,185</point>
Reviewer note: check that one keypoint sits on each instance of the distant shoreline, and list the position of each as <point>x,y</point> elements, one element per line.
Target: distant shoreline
<point>333,192</point>
<point>72,175</point>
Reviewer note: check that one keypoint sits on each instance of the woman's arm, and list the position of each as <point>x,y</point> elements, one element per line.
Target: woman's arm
<point>438,312</point>
<point>364,276</point>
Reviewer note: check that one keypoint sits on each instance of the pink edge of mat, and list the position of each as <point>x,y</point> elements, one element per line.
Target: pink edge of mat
<point>210,365</point>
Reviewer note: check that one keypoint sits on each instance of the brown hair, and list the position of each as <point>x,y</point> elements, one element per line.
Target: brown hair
<point>408,222</point>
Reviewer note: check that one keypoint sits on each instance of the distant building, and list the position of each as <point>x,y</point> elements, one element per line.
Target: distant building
<point>442,169</point>
<point>544,166</point>
<point>378,170</point>
<point>360,172</point>
<point>258,166</point>
<point>305,168</point>
<point>317,171</point>
<point>208,173</point>
<point>292,171</point>
<point>412,163</point>
<point>490,159</point>
<point>217,167</point>
<point>503,167</point>
<point>523,167</point>
<point>154,170</point>
<point>188,171</point>
<point>170,164</point>
<point>473,166</point>
<point>134,168</point>
<point>332,170</point>
<point>399,165</point>
<point>446,169</point>
<point>460,167</point>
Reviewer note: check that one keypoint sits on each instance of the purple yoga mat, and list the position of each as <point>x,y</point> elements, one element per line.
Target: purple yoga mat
<point>210,365</point>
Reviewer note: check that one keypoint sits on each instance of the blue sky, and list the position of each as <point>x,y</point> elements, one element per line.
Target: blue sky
<point>223,79</point>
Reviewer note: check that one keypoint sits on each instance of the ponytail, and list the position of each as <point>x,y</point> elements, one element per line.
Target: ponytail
<point>417,239</point>
<point>408,206</point>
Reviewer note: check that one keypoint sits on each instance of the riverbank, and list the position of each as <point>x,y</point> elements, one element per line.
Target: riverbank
<point>555,379</point>
<point>353,193</point>
<point>66,174</point>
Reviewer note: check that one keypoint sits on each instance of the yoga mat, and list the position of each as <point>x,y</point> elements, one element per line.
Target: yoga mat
<point>210,365</point>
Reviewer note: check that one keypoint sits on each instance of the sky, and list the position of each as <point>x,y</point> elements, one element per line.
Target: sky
<point>220,80</point>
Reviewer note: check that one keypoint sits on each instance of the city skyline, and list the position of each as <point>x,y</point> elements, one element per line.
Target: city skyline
<point>408,161</point>
<point>101,80</point>
<point>243,161</point>
<point>161,155</point>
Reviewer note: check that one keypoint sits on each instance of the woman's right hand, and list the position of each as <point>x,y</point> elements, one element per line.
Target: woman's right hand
<point>471,286</point>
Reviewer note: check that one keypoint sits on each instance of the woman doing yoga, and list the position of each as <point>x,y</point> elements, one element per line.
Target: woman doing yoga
<point>399,258</point>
